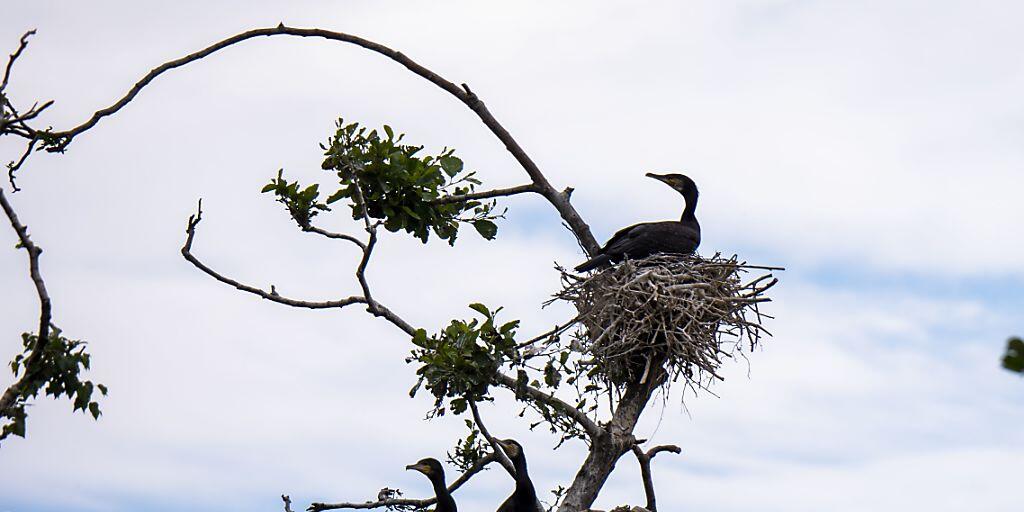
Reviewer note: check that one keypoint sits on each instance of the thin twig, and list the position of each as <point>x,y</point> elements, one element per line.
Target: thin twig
<point>14,56</point>
<point>498,192</point>
<point>588,425</point>
<point>337,236</point>
<point>502,458</point>
<point>14,166</point>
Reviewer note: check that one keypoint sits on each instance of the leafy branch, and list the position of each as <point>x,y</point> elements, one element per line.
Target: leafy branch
<point>49,360</point>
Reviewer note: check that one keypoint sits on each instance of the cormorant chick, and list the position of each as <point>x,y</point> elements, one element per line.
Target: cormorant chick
<point>432,468</point>
<point>524,498</point>
<point>648,238</point>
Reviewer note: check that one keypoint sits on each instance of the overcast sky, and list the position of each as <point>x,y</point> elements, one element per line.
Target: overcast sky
<point>872,148</point>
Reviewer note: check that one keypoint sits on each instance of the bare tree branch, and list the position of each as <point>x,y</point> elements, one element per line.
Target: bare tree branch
<point>11,394</point>
<point>287,502</point>
<point>502,458</point>
<point>186,251</point>
<point>588,425</point>
<point>337,236</point>
<point>14,166</point>
<point>377,309</point>
<point>558,199</point>
<point>498,192</point>
<point>644,458</point>
<point>403,502</point>
<point>22,44</point>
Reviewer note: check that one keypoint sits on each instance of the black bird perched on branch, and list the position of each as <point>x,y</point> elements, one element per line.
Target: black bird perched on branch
<point>432,468</point>
<point>648,238</point>
<point>524,498</point>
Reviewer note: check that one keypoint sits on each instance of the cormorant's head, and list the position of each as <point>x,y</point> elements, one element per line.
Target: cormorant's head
<point>428,466</point>
<point>512,447</point>
<point>681,182</point>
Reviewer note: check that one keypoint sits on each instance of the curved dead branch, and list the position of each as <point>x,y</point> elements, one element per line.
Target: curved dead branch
<point>464,94</point>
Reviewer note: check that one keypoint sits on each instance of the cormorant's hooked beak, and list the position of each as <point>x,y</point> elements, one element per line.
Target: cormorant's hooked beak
<point>510,448</point>
<point>422,468</point>
<point>660,177</point>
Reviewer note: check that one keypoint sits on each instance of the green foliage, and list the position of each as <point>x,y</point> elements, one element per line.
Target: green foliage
<point>459,364</point>
<point>386,180</point>
<point>469,450</point>
<point>402,188</point>
<point>1013,360</point>
<point>302,204</point>
<point>56,373</point>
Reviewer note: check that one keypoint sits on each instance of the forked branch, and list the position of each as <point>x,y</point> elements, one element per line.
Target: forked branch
<point>644,458</point>
<point>273,296</point>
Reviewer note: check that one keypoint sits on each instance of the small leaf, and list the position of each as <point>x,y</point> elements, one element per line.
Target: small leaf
<point>486,228</point>
<point>480,308</point>
<point>452,165</point>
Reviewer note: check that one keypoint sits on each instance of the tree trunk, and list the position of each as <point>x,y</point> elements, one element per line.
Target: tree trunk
<point>606,451</point>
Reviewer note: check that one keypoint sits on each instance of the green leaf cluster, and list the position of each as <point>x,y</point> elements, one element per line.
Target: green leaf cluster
<point>302,203</point>
<point>384,179</point>
<point>1013,360</point>
<point>468,450</point>
<point>56,373</point>
<point>459,363</point>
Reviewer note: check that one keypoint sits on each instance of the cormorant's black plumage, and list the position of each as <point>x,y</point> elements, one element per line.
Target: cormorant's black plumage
<point>648,238</point>
<point>524,498</point>
<point>435,472</point>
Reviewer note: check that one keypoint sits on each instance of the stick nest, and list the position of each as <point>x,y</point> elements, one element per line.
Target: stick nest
<point>667,316</point>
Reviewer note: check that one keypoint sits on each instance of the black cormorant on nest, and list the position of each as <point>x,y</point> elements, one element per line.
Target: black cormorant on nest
<point>432,468</point>
<point>524,498</point>
<point>649,238</point>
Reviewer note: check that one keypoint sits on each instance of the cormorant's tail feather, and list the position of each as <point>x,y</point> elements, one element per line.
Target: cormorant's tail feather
<point>592,263</point>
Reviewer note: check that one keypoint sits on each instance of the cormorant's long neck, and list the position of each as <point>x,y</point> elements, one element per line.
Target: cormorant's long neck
<point>689,213</point>
<point>445,502</point>
<point>524,486</point>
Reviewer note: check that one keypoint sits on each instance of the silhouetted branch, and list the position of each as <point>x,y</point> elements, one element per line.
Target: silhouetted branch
<point>22,44</point>
<point>337,236</point>
<point>376,308</point>
<point>272,295</point>
<point>403,502</point>
<point>14,166</point>
<point>559,200</point>
<point>644,458</point>
<point>487,194</point>
<point>502,458</point>
<point>11,394</point>
<point>592,429</point>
